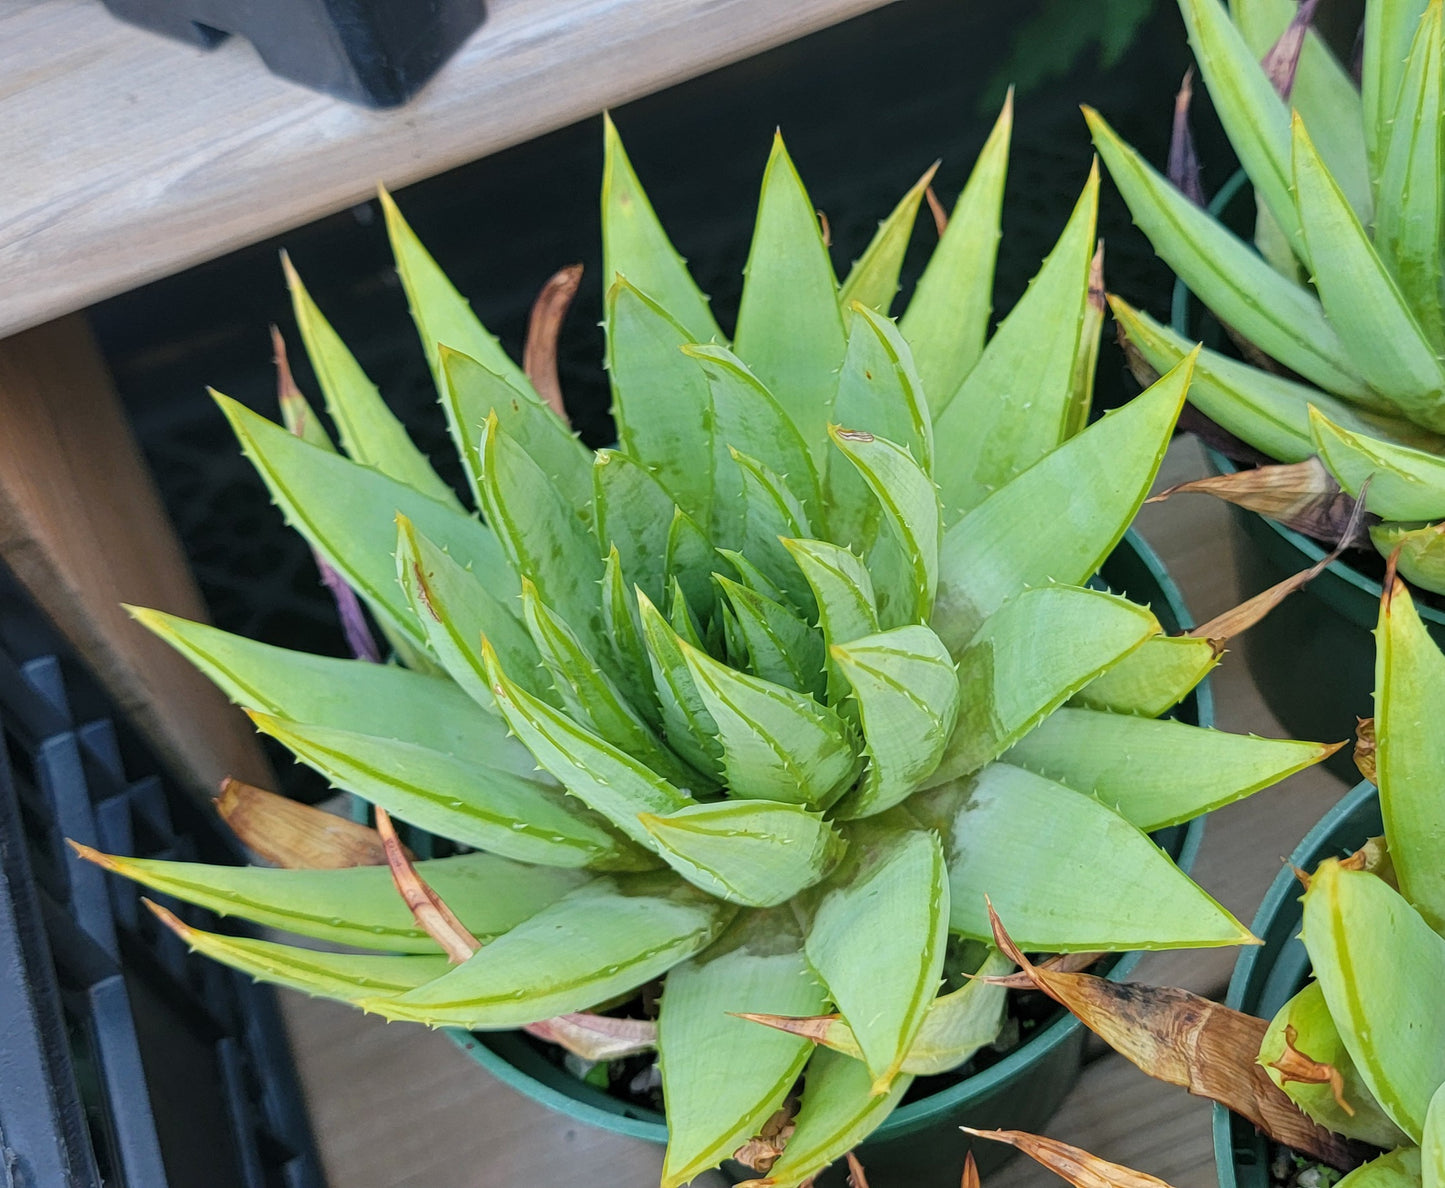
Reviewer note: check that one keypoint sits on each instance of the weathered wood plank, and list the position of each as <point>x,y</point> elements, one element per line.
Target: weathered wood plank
<point>129,157</point>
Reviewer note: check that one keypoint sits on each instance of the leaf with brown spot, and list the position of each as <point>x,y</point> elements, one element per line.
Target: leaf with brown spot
<point>1300,495</point>
<point>539,354</point>
<point>296,835</point>
<point>1294,1065</point>
<point>1072,1163</point>
<point>1187,1040</point>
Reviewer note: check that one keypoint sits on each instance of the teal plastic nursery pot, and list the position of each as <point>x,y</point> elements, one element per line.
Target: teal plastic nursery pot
<point>919,1146</point>
<point>1313,656</point>
<point>1267,976</point>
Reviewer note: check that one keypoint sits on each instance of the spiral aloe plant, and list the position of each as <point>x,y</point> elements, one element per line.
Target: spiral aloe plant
<point>762,701</point>
<point>1345,296</point>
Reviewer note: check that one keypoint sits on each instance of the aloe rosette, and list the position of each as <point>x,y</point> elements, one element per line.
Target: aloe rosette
<point>1342,289</point>
<point>763,701</point>
<point>1374,928</point>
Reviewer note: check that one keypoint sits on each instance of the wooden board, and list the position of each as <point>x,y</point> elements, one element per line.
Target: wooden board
<point>129,157</point>
<point>82,527</point>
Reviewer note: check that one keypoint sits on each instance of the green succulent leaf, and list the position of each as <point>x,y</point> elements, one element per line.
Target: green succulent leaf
<point>1254,116</point>
<point>1410,223</point>
<point>370,432</point>
<point>624,630</point>
<point>956,1026</point>
<point>841,584</point>
<point>1027,659</point>
<point>689,726</point>
<point>947,319</point>
<point>1432,1143</point>
<point>1419,552</point>
<point>634,244</point>
<point>873,280</point>
<point>381,700</point>
<point>347,513</point>
<point>1410,751</point>
<point>772,513</point>
<point>838,1112</point>
<point>878,391</point>
<point>777,744</point>
<point>1394,1169</point>
<point>1268,410</point>
<point>749,419</point>
<point>911,511</point>
<point>1380,967</point>
<point>1152,680</point>
<point>790,329</point>
<point>1282,318</point>
<point>1323,93</point>
<point>1104,886</point>
<point>358,905</point>
<point>603,777</point>
<point>877,938</point>
<point>907,697</point>
<point>1390,28</point>
<point>634,516</point>
<point>488,807</point>
<point>687,560</point>
<point>780,647</point>
<point>592,698</point>
<point>1059,519</point>
<point>472,394</point>
<point>1405,484</point>
<point>1361,298</point>
<point>456,609</point>
<point>605,938</point>
<point>442,315</point>
<point>541,533</point>
<point>1157,773</point>
<point>348,977</point>
<point>1315,1035</point>
<point>1015,405</point>
<point>723,1077</point>
<point>757,853</point>
<point>659,397</point>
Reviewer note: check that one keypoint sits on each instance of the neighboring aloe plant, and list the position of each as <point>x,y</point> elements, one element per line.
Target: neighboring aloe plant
<point>763,700</point>
<point>1346,290</point>
<point>1361,1048</point>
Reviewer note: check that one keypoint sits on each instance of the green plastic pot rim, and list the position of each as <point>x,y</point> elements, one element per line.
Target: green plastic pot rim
<point>1180,319</point>
<point>593,1106</point>
<point>1282,890</point>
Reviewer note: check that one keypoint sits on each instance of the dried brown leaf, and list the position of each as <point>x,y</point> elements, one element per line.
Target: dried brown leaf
<point>940,216</point>
<point>427,908</point>
<point>826,228</point>
<point>1374,858</point>
<point>1183,166</point>
<point>292,834</point>
<point>1189,1041</point>
<point>1071,1163</point>
<point>766,1147</point>
<point>810,1027</point>
<point>1300,495</point>
<point>1282,60</point>
<point>1294,1065</point>
<point>539,354</point>
<point>1365,747</point>
<point>294,408</point>
<point>970,1171</point>
<point>856,1176</point>
<point>1059,963</point>
<point>597,1037</point>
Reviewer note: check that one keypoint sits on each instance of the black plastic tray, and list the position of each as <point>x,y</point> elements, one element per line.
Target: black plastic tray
<point>124,1061</point>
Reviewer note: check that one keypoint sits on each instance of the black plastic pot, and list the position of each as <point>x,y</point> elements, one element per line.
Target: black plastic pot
<point>375,52</point>
<point>123,1061</point>
<point>919,1146</point>
<point>1269,975</point>
<point>1313,656</point>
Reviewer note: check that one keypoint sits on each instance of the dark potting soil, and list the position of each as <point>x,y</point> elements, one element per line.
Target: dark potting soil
<point>1290,1169</point>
